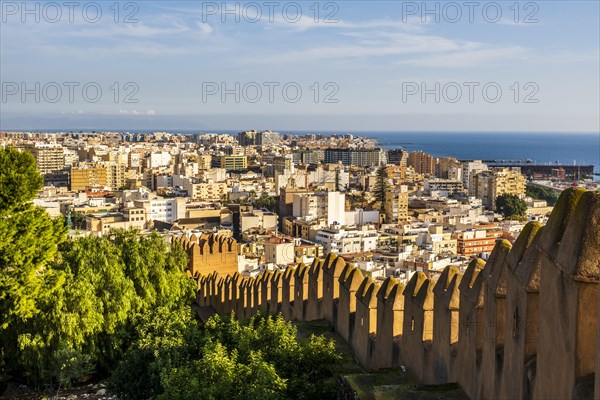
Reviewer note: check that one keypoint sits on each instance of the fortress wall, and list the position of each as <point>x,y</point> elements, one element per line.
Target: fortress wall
<point>249,291</point>
<point>390,313</point>
<point>287,292</point>
<point>276,292</point>
<point>418,325</point>
<point>210,253</point>
<point>257,294</point>
<point>349,282</point>
<point>568,290</point>
<point>494,290</point>
<point>313,309</point>
<point>332,269</point>
<point>219,297</point>
<point>301,293</point>
<point>265,291</point>
<point>470,334</point>
<point>522,325</point>
<point>445,325</point>
<point>521,315</point>
<point>364,327</point>
<point>240,305</point>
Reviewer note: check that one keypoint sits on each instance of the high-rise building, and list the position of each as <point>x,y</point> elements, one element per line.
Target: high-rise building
<point>488,185</point>
<point>248,138</point>
<point>396,204</point>
<point>283,164</point>
<point>398,157</point>
<point>254,138</point>
<point>469,170</point>
<point>85,176</point>
<point>204,161</point>
<point>309,156</point>
<point>444,165</point>
<point>233,163</point>
<point>423,163</point>
<point>286,197</point>
<point>104,173</point>
<point>329,205</point>
<point>267,138</point>
<point>115,174</point>
<point>360,157</point>
<point>50,157</point>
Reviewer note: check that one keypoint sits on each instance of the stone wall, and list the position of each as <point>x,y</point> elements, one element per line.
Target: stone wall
<point>522,325</point>
<point>210,253</point>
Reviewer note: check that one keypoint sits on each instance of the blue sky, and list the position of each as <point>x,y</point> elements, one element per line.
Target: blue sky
<point>366,57</point>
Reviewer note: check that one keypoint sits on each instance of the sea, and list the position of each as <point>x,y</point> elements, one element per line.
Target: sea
<point>568,148</point>
<point>543,148</point>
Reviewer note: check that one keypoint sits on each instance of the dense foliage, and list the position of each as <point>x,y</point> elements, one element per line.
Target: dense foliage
<point>95,294</point>
<point>511,206</point>
<point>120,305</point>
<point>225,359</point>
<point>542,193</point>
<point>68,306</point>
<point>265,201</point>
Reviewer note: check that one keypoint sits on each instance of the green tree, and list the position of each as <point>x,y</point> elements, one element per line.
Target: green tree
<point>510,205</point>
<point>102,291</point>
<point>19,178</point>
<point>539,192</point>
<point>381,186</point>
<point>29,241</point>
<point>68,365</point>
<point>262,358</point>
<point>265,201</point>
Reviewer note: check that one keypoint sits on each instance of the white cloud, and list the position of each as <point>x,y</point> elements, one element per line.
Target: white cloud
<point>204,27</point>
<point>465,58</point>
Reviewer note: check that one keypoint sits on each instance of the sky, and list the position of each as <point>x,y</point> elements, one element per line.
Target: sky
<point>305,65</point>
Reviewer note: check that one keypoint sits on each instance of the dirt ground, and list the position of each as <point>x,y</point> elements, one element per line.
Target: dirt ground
<point>96,391</point>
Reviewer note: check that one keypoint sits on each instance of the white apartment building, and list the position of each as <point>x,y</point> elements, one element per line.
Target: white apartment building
<point>329,205</point>
<point>200,190</point>
<point>339,240</point>
<point>258,219</point>
<point>360,217</point>
<point>156,208</point>
<point>469,170</point>
<point>158,160</point>
<point>161,209</point>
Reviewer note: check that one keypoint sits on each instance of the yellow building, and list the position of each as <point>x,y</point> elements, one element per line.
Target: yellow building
<point>50,157</point>
<point>423,163</point>
<point>488,185</point>
<point>86,175</point>
<point>106,173</point>
<point>396,204</point>
<point>210,191</point>
<point>204,161</point>
<point>233,163</point>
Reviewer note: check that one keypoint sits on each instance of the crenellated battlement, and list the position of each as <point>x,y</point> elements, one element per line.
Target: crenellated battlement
<point>210,253</point>
<point>522,325</point>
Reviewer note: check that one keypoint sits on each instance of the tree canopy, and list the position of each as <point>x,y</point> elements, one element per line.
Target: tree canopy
<point>265,201</point>
<point>381,186</point>
<point>29,241</point>
<point>73,303</point>
<point>510,205</point>
<point>19,178</point>
<point>121,305</point>
<point>540,192</point>
<point>262,358</point>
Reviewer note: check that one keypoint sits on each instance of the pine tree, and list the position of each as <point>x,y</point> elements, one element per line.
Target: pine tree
<point>381,186</point>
